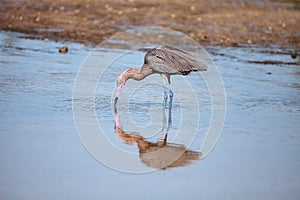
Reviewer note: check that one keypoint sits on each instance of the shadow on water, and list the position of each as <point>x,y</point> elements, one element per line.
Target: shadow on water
<point>161,154</point>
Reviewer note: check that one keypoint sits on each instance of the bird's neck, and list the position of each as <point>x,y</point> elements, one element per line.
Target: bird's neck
<point>137,74</point>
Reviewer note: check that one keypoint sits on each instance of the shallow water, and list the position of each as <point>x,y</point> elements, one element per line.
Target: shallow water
<point>257,156</point>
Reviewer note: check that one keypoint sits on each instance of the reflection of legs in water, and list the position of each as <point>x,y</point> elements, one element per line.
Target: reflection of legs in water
<point>163,124</point>
<point>170,118</point>
<point>164,132</point>
<point>169,123</point>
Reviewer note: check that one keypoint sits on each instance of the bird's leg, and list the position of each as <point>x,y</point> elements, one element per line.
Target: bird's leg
<point>170,97</point>
<point>165,79</point>
<point>169,125</point>
<point>163,124</point>
<point>165,96</point>
<point>168,94</point>
<point>170,118</point>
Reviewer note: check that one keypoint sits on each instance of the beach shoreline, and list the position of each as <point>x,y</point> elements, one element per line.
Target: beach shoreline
<point>224,23</point>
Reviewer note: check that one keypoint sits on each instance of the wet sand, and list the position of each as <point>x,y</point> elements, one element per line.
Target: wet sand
<point>229,23</point>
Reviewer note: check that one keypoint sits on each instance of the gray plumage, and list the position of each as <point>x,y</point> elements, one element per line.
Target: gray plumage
<point>169,60</point>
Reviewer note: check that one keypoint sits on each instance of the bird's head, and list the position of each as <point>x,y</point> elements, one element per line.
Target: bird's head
<point>127,74</point>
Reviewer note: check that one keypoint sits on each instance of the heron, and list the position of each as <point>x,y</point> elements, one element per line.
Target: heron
<point>165,61</point>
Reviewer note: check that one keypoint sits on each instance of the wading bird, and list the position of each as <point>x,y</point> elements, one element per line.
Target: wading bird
<point>165,61</point>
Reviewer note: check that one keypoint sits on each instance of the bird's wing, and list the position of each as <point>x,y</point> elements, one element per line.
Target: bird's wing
<point>173,61</point>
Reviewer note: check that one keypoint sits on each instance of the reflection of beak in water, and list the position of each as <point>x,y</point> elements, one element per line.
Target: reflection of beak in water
<point>160,154</point>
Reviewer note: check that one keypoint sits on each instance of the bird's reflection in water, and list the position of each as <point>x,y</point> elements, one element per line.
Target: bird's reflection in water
<point>160,154</point>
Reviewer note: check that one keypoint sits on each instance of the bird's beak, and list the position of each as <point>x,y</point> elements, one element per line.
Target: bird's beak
<point>118,92</point>
<point>119,89</point>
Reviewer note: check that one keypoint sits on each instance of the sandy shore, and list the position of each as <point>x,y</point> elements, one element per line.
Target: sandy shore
<point>222,22</point>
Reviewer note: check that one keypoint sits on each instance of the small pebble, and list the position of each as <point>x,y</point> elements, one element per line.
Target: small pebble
<point>63,49</point>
